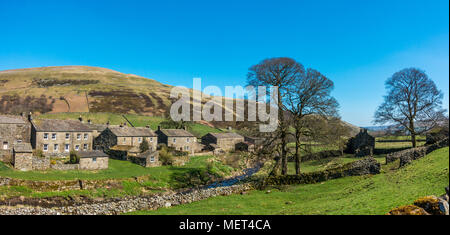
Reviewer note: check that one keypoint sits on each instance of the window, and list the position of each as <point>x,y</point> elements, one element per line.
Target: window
<point>85,136</point>
<point>152,158</point>
<point>140,139</point>
<point>67,147</point>
<point>187,140</point>
<point>67,136</point>
<point>85,146</point>
<point>55,147</point>
<point>77,147</point>
<point>78,136</point>
<point>19,141</point>
<point>5,145</point>
<point>124,140</point>
<point>45,136</point>
<point>94,159</point>
<point>151,139</point>
<point>186,147</point>
<point>53,136</point>
<point>45,147</point>
<point>174,140</point>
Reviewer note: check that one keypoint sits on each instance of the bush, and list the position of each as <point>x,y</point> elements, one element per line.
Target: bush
<point>144,146</point>
<point>74,158</point>
<point>165,157</point>
<point>39,153</point>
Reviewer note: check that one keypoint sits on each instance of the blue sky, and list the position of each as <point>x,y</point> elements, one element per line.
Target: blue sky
<point>357,44</point>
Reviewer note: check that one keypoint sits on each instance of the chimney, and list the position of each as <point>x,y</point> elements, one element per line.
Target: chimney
<point>107,123</point>
<point>80,118</point>
<point>148,127</point>
<point>159,127</point>
<point>30,117</point>
<point>89,121</point>
<point>124,124</point>
<point>185,128</point>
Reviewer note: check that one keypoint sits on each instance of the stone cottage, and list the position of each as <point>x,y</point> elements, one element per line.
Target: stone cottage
<point>125,136</point>
<point>22,157</point>
<point>361,145</point>
<point>13,129</point>
<point>59,137</point>
<point>223,141</point>
<point>179,139</point>
<point>93,160</point>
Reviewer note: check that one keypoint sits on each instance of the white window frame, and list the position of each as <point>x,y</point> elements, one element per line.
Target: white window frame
<point>139,139</point>
<point>5,145</point>
<point>152,159</point>
<point>124,140</point>
<point>85,147</point>
<point>53,136</point>
<point>56,147</point>
<point>67,147</point>
<point>174,140</point>
<point>45,136</point>
<point>187,140</point>
<point>67,136</point>
<point>86,136</point>
<point>77,147</point>
<point>78,136</point>
<point>45,147</point>
<point>94,159</point>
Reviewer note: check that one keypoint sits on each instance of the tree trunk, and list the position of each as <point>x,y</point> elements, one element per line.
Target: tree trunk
<point>297,155</point>
<point>413,133</point>
<point>283,130</point>
<point>276,168</point>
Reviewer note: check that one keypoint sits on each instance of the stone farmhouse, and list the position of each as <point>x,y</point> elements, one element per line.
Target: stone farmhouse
<point>222,141</point>
<point>179,139</point>
<point>13,129</point>
<point>130,137</point>
<point>361,145</point>
<point>59,137</point>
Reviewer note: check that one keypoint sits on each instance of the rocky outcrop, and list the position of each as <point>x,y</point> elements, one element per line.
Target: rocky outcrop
<point>429,205</point>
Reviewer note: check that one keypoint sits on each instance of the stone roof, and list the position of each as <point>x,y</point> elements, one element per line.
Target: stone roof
<point>227,135</point>
<point>59,125</point>
<point>97,127</point>
<point>10,119</point>
<point>176,133</point>
<point>131,131</point>
<point>23,148</point>
<point>126,148</point>
<point>92,153</point>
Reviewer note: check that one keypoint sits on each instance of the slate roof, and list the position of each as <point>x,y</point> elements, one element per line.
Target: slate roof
<point>60,125</point>
<point>176,133</point>
<point>9,119</point>
<point>92,153</point>
<point>97,127</point>
<point>23,148</point>
<point>227,135</point>
<point>131,131</point>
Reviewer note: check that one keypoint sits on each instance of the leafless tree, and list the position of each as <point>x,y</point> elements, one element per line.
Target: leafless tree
<point>413,101</point>
<point>280,72</point>
<point>309,95</point>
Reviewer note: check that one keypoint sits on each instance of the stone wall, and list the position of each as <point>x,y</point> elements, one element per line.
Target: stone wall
<point>41,163</point>
<point>23,161</point>
<point>409,155</point>
<point>65,167</point>
<point>364,166</point>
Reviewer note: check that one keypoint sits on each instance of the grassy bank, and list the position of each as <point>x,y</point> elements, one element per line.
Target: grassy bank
<point>351,195</point>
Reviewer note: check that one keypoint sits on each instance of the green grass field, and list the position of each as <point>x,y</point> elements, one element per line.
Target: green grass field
<point>351,195</point>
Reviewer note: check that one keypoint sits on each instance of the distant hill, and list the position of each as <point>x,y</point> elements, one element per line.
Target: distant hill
<point>82,89</point>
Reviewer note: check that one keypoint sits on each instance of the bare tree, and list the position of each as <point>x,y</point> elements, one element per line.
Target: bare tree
<point>309,95</point>
<point>280,72</point>
<point>413,101</point>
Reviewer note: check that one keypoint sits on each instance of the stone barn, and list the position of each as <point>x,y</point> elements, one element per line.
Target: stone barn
<point>13,129</point>
<point>224,141</point>
<point>179,139</point>
<point>93,160</point>
<point>146,159</point>
<point>361,145</point>
<point>22,157</point>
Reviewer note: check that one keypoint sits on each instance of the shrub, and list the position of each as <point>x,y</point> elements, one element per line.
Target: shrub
<point>144,146</point>
<point>39,153</point>
<point>165,157</point>
<point>74,158</point>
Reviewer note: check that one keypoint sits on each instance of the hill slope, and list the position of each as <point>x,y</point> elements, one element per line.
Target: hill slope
<point>80,89</point>
<point>85,89</point>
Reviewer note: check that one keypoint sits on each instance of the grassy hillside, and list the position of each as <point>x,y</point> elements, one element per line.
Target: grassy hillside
<point>351,195</point>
